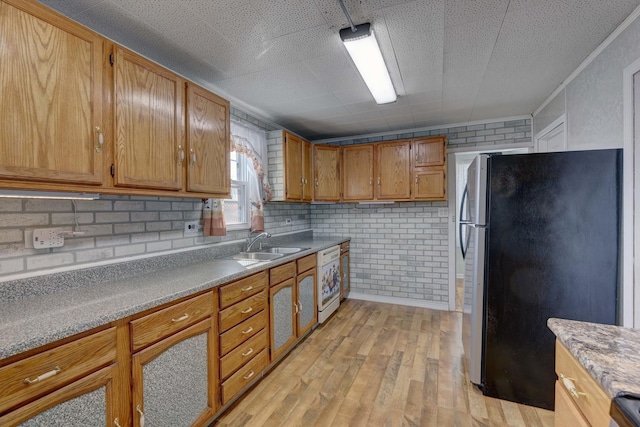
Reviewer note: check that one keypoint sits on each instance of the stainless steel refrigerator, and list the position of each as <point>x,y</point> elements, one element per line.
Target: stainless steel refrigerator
<point>541,238</point>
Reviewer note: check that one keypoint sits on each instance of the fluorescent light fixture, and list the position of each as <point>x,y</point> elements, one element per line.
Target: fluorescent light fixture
<point>23,194</point>
<point>365,53</point>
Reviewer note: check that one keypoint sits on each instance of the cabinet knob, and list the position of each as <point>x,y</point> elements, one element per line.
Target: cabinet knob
<point>100,139</point>
<point>180,155</point>
<point>116,422</point>
<point>249,375</point>
<point>378,181</point>
<point>181,318</point>
<point>571,388</point>
<point>141,415</point>
<point>248,310</point>
<point>248,353</point>
<point>43,377</point>
<point>316,182</point>
<point>370,181</point>
<point>193,157</point>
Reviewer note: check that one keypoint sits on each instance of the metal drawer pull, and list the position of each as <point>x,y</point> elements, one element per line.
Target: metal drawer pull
<point>296,306</point>
<point>248,310</point>
<point>116,422</point>
<point>249,375</point>
<point>571,388</point>
<point>248,331</point>
<point>181,318</point>
<point>141,416</point>
<point>248,352</point>
<point>43,376</point>
<point>247,289</point>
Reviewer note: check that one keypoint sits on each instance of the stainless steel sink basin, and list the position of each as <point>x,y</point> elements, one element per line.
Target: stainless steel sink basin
<point>282,250</point>
<point>260,256</point>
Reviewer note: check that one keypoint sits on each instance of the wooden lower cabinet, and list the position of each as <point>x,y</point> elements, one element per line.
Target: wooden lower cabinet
<point>87,402</point>
<point>244,351</point>
<point>579,400</point>
<point>174,380</point>
<point>293,307</point>
<point>345,270</point>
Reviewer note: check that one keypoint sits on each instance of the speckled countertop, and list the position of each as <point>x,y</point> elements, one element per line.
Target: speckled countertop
<point>79,301</point>
<point>611,354</point>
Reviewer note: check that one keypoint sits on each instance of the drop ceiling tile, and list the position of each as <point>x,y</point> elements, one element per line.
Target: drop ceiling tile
<point>400,122</point>
<point>240,22</point>
<point>419,98</point>
<point>354,96</point>
<point>457,12</point>
<point>288,16</point>
<point>360,107</point>
<point>359,11</point>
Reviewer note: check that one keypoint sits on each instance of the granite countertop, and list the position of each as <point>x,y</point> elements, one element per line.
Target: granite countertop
<point>611,354</point>
<point>39,318</point>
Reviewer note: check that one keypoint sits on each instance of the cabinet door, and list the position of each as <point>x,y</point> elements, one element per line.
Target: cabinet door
<point>174,381</point>
<point>429,184</point>
<point>357,168</point>
<point>149,140</point>
<point>51,109</point>
<point>307,188</point>
<point>88,402</point>
<point>429,152</point>
<point>294,181</point>
<point>565,412</point>
<point>326,172</point>
<point>283,317</point>
<point>208,142</point>
<point>307,302</point>
<point>345,283</point>
<point>393,170</point>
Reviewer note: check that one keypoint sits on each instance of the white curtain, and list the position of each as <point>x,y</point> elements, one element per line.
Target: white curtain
<point>252,142</point>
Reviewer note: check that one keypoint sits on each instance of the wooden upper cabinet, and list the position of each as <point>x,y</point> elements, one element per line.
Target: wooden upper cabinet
<point>357,172</point>
<point>294,180</point>
<point>429,151</point>
<point>326,172</point>
<point>393,169</point>
<point>51,109</point>
<point>429,166</point>
<point>208,142</point>
<point>307,171</point>
<point>149,124</point>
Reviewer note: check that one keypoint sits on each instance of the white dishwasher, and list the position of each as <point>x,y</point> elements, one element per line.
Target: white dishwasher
<point>328,281</point>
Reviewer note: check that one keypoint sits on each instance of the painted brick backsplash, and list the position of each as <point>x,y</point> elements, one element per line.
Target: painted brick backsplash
<point>116,227</point>
<point>397,250</point>
<point>497,133</point>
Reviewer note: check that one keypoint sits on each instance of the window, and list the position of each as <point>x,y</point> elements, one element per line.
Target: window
<point>237,210</point>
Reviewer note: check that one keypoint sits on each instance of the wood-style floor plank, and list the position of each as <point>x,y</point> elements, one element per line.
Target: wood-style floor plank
<point>378,364</point>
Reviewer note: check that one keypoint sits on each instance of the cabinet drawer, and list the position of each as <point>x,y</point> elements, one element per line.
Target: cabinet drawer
<point>230,317</point>
<point>155,326</point>
<point>244,376</point>
<point>237,291</point>
<point>282,273</point>
<point>44,372</point>
<point>239,334</point>
<point>592,401</point>
<point>306,263</point>
<point>241,355</point>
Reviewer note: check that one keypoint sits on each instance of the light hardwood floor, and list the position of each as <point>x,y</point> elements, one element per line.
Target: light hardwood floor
<point>378,364</point>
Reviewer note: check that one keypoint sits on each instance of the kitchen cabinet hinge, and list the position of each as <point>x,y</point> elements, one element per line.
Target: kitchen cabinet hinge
<point>111,60</point>
<point>113,170</point>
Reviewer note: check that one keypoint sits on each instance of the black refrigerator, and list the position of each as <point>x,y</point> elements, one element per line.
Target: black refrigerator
<point>541,238</point>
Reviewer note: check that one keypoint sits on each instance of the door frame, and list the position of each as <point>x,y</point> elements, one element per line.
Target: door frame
<point>630,197</point>
<point>560,121</point>
<point>451,202</point>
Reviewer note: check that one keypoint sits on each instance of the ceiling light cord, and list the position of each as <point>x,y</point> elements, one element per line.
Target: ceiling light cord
<point>346,14</point>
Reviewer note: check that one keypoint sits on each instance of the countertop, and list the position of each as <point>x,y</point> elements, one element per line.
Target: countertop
<point>41,317</point>
<point>611,354</point>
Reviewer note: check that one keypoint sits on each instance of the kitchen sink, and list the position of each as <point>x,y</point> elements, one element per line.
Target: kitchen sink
<point>259,256</point>
<point>281,250</point>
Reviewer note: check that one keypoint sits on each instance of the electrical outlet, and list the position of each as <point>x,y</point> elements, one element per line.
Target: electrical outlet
<point>192,228</point>
<point>443,212</point>
<point>287,221</point>
<point>48,238</point>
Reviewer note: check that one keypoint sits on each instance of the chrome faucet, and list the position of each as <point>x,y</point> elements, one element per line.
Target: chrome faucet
<point>251,241</point>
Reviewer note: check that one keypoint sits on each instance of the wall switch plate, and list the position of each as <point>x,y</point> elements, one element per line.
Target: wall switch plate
<point>47,238</point>
<point>192,228</point>
<point>443,212</point>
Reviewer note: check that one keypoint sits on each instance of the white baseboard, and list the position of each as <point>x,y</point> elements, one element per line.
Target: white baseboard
<point>434,305</point>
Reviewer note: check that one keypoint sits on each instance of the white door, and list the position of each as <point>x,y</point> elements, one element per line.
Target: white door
<point>552,138</point>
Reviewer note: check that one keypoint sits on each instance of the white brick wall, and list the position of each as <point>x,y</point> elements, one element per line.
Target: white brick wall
<point>116,227</point>
<point>397,250</point>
